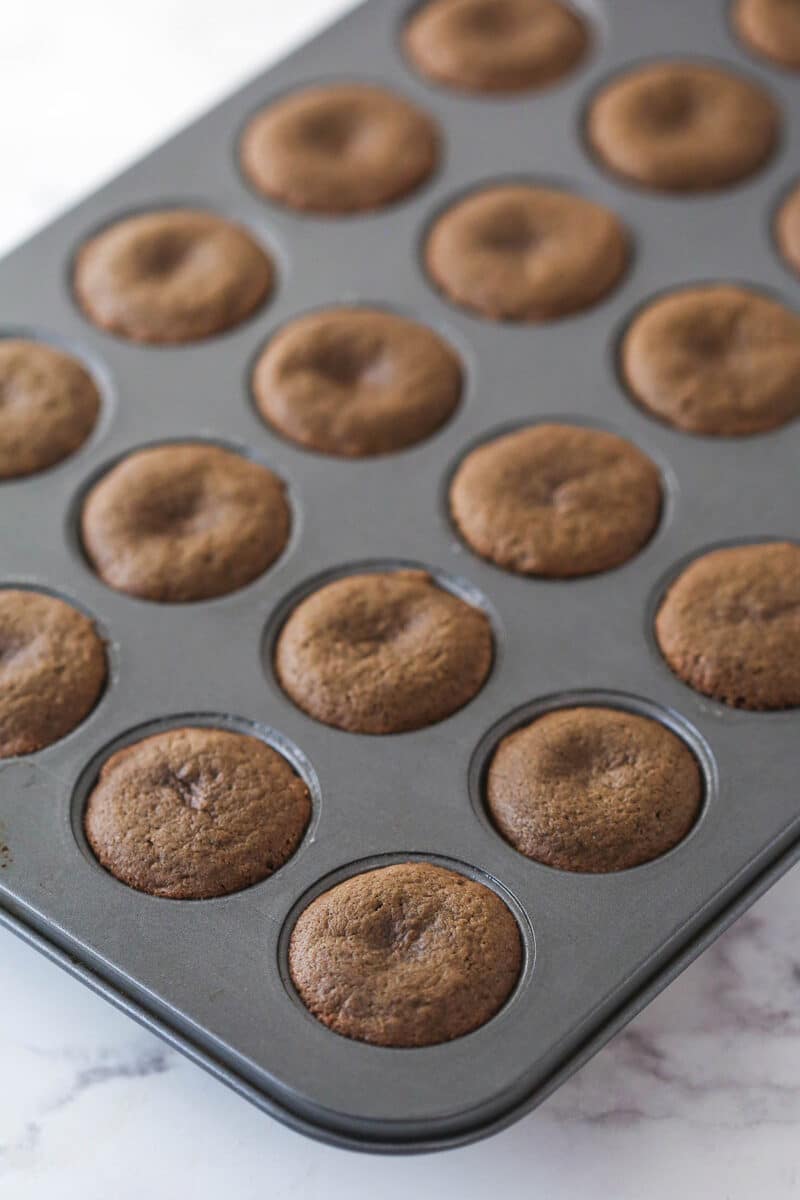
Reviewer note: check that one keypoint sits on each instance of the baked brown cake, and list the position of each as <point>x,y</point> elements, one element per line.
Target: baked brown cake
<point>593,789</point>
<point>184,521</point>
<point>556,500</point>
<point>52,670</point>
<point>356,381</point>
<point>683,126</point>
<point>49,405</point>
<point>175,275</point>
<point>787,229</point>
<point>383,653</point>
<point>771,28</point>
<point>517,252</point>
<point>407,955</point>
<point>496,45</point>
<point>729,625</point>
<point>718,359</point>
<point>193,813</point>
<point>339,148</point>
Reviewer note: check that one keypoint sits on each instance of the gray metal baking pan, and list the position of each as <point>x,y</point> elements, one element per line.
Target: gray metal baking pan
<point>210,976</point>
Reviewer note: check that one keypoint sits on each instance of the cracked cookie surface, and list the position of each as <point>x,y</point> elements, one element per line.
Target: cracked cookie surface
<point>406,955</point>
<point>196,812</point>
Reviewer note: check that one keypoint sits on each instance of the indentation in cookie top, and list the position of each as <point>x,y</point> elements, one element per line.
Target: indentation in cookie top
<point>716,359</point>
<point>523,253</point>
<point>331,132</point>
<point>339,148</point>
<point>406,955</point>
<point>729,625</point>
<point>49,405</point>
<point>771,28</point>
<point>52,670</point>
<point>593,789</point>
<point>787,229</point>
<point>496,45</point>
<point>176,275</point>
<point>184,521</point>
<point>356,381</point>
<point>383,653</point>
<point>196,812</point>
<point>683,126</point>
<point>556,500</point>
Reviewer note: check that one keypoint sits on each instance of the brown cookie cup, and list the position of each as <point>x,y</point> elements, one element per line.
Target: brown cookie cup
<point>729,626</point>
<point>383,653</point>
<point>193,813</point>
<point>339,148</point>
<point>355,382</point>
<point>593,789</point>
<point>496,45</point>
<point>771,28</point>
<point>718,359</point>
<point>787,229</point>
<point>517,252</point>
<point>556,500</point>
<point>184,522</point>
<point>49,405</point>
<point>680,126</point>
<point>171,276</point>
<point>53,670</point>
<point>406,955</point>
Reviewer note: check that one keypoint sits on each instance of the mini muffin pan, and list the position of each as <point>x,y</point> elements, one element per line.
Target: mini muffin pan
<point>211,976</point>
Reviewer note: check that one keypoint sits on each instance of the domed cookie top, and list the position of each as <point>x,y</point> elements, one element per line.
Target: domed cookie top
<point>52,670</point>
<point>556,500</point>
<point>406,955</point>
<point>193,813</point>
<point>184,521</point>
<point>383,653</point>
<point>356,381</point>
<point>339,148</point>
<point>729,625</point>
<point>176,275</point>
<point>522,253</point>
<point>715,359</point>
<point>787,229</point>
<point>683,126</point>
<point>593,789</point>
<point>771,28</point>
<point>49,405</point>
<point>496,45</point>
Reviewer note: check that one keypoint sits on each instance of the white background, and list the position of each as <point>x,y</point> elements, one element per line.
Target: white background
<point>699,1097</point>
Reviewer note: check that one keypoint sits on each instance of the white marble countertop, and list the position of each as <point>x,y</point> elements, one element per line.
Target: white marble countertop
<point>699,1096</point>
